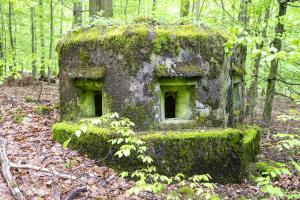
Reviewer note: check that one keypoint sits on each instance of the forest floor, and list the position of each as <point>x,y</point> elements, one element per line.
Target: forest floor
<point>30,142</point>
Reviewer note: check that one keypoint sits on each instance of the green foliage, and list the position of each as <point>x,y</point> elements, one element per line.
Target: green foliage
<point>29,99</point>
<point>42,110</point>
<point>19,116</point>
<point>271,170</point>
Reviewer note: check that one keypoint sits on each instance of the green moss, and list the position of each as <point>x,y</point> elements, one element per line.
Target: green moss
<point>29,99</point>
<point>221,153</point>
<point>202,118</point>
<point>84,57</point>
<point>238,70</point>
<point>42,110</point>
<point>89,72</point>
<point>268,165</point>
<point>19,117</point>
<point>187,192</point>
<point>136,113</point>
<point>94,85</point>
<point>130,39</point>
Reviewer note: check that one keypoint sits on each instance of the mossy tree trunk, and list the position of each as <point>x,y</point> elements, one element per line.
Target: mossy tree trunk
<point>277,43</point>
<point>96,6</point>
<point>77,13</point>
<point>252,93</point>
<point>33,40</point>
<point>237,94</point>
<point>42,38</point>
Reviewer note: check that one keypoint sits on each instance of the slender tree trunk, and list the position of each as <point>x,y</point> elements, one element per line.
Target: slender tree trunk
<point>96,6</point>
<point>61,18</point>
<point>198,3</point>
<point>11,37</point>
<point>252,93</point>
<point>42,39</point>
<point>139,7</point>
<point>33,39</point>
<point>153,6</point>
<point>279,30</point>
<point>4,43</point>
<point>50,64</point>
<point>184,8</point>
<point>77,13</point>
<point>125,9</point>
<point>1,44</point>
<point>243,13</point>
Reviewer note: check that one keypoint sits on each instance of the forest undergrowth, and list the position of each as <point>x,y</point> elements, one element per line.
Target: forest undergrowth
<point>27,131</point>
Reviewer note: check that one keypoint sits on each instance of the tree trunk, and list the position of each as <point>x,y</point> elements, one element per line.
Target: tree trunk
<point>42,39</point>
<point>50,65</point>
<point>125,9</point>
<point>61,18</point>
<point>11,37</point>
<point>252,93</point>
<point>279,30</point>
<point>243,13</point>
<point>198,10</point>
<point>96,6</point>
<point>237,93</point>
<point>153,6</point>
<point>1,44</point>
<point>184,8</point>
<point>77,13</point>
<point>139,7</point>
<point>33,39</point>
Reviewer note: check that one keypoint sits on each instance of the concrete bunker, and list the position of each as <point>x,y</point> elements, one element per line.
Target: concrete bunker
<point>160,77</point>
<point>152,75</point>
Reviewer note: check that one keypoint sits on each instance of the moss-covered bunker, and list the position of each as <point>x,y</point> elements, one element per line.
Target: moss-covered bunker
<point>160,77</point>
<point>152,74</point>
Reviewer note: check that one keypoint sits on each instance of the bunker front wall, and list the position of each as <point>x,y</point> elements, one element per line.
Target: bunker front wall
<point>224,154</point>
<point>136,66</point>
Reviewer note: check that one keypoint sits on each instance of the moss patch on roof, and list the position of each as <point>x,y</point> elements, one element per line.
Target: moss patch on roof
<point>118,34</point>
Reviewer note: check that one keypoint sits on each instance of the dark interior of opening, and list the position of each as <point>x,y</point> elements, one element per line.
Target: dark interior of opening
<point>170,99</point>
<point>98,104</point>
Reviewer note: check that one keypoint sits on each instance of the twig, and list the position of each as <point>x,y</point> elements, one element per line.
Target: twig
<point>75,192</point>
<point>5,171</point>
<point>56,173</point>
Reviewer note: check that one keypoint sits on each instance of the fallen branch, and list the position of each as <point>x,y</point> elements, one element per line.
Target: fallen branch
<point>62,175</point>
<point>10,180</point>
<point>5,171</point>
<point>75,192</point>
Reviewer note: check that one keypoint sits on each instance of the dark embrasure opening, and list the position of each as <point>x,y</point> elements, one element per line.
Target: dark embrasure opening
<point>98,104</point>
<point>170,102</point>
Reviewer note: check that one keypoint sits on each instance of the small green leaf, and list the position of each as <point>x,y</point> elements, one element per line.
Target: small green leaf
<point>66,143</point>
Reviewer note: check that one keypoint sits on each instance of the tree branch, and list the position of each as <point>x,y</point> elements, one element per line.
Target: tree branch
<point>5,171</point>
<point>10,180</point>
